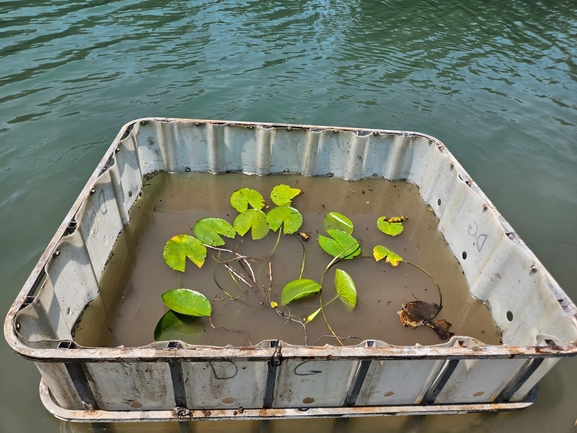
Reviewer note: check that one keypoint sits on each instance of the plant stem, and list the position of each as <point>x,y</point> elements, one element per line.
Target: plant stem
<point>433,280</point>
<point>331,263</point>
<point>276,243</point>
<point>327,321</point>
<point>304,258</point>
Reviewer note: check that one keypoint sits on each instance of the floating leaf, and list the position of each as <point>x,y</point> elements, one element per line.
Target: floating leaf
<point>380,252</point>
<point>312,316</point>
<point>337,221</point>
<point>299,289</point>
<point>388,227</point>
<point>282,195</point>
<point>242,198</point>
<point>187,301</point>
<point>342,244</point>
<point>179,247</point>
<point>290,218</point>
<point>208,231</point>
<point>251,218</point>
<point>173,321</point>
<point>346,289</point>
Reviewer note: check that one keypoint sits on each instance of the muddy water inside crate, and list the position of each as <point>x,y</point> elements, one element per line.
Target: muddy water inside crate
<point>130,304</point>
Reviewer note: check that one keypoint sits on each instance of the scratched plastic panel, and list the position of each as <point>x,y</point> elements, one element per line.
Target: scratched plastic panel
<point>148,138</point>
<point>313,383</point>
<point>127,178</point>
<point>131,386</point>
<point>61,387</point>
<point>397,382</point>
<point>521,301</point>
<point>225,385</point>
<point>74,283</point>
<point>36,323</point>
<point>100,223</point>
<point>476,381</point>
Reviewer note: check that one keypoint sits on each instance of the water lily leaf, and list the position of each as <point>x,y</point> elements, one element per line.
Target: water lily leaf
<point>252,219</point>
<point>389,228</point>
<point>380,252</point>
<point>208,231</point>
<point>299,289</point>
<point>179,247</point>
<point>346,290</point>
<point>312,316</point>
<point>242,198</point>
<point>179,323</point>
<point>290,218</point>
<point>340,244</point>
<point>282,195</point>
<point>337,221</point>
<point>188,302</point>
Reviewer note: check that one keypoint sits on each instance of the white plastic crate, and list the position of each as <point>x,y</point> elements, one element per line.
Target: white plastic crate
<point>169,380</point>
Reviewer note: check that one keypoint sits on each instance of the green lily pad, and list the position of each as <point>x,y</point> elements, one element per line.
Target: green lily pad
<point>337,221</point>
<point>290,218</point>
<point>345,287</point>
<point>208,231</point>
<point>188,302</point>
<point>299,289</point>
<point>252,219</point>
<point>242,198</point>
<point>179,247</point>
<point>282,195</point>
<point>177,322</point>
<point>340,244</point>
<point>389,228</point>
<point>380,252</point>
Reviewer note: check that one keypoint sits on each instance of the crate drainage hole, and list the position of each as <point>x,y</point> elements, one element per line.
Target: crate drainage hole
<point>439,202</point>
<point>308,400</point>
<point>389,394</point>
<point>478,394</point>
<point>228,400</point>
<point>509,316</point>
<point>464,255</point>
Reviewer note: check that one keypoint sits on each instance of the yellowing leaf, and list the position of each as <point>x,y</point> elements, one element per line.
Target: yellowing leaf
<point>389,228</point>
<point>273,304</point>
<point>397,219</point>
<point>380,252</point>
<point>179,247</point>
<point>312,316</point>
<point>282,195</point>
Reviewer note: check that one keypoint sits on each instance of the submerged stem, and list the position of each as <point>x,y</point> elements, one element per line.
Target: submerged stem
<point>327,321</point>
<point>276,243</point>
<point>304,258</point>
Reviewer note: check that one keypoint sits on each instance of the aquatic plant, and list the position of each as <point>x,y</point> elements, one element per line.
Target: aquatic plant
<point>254,216</point>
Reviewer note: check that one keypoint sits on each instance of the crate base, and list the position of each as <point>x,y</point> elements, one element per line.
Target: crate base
<point>184,415</point>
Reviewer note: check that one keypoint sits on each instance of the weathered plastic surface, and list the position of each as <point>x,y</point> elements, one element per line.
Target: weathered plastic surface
<point>173,380</point>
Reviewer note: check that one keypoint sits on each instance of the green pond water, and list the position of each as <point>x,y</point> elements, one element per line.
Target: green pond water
<point>495,81</point>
